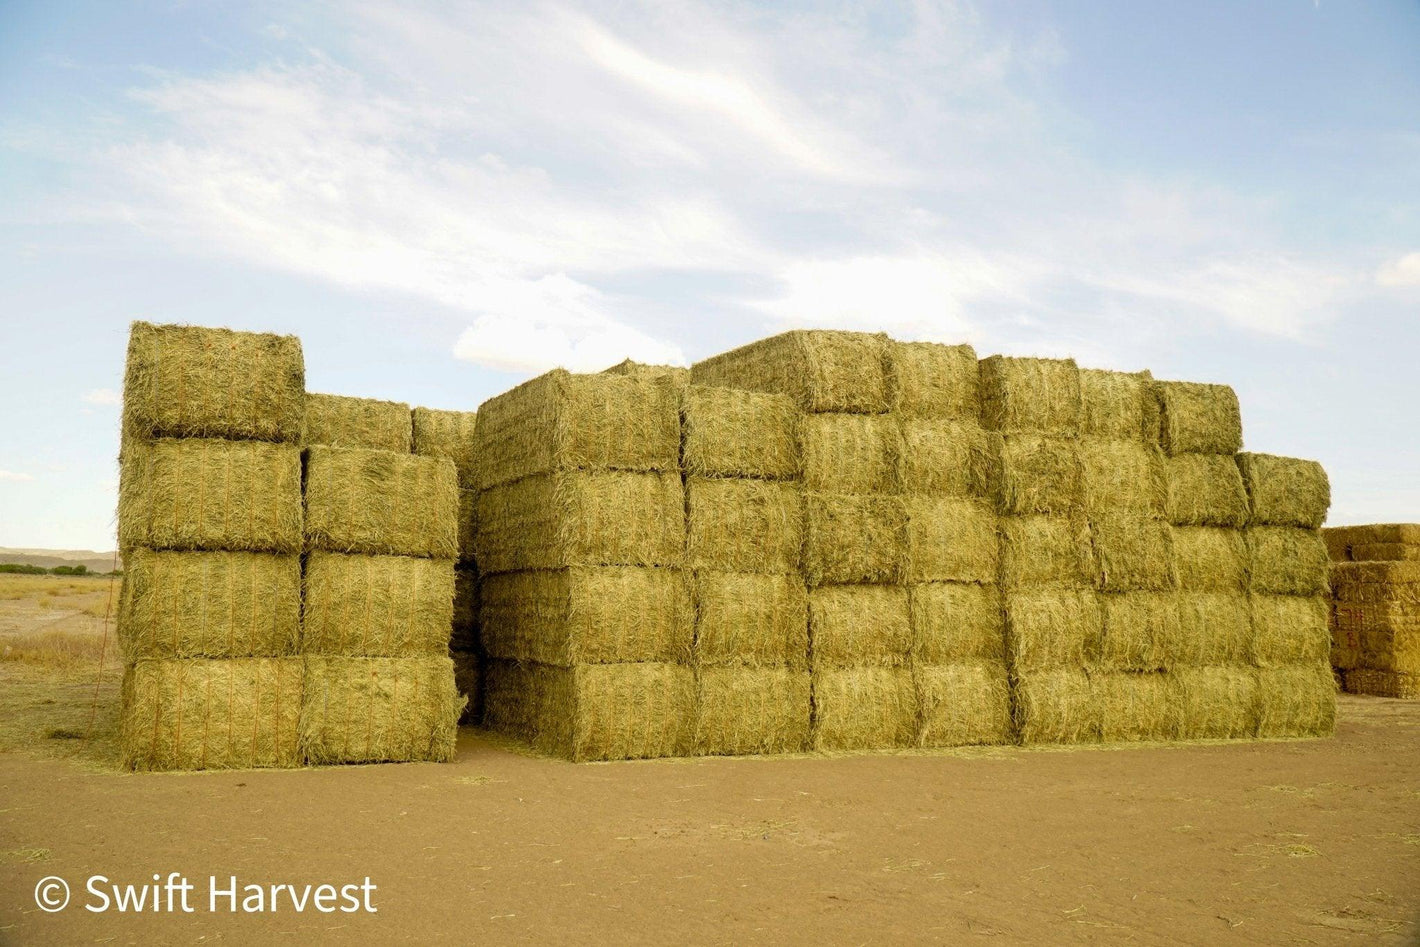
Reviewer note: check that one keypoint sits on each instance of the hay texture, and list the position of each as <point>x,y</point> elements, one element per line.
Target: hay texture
<point>448,434</point>
<point>1131,553</point>
<point>1213,629</point>
<point>954,622</point>
<point>673,374</point>
<point>1285,491</point>
<point>1297,701</point>
<point>361,423</point>
<point>187,381</point>
<point>1039,474</point>
<point>1212,703</point>
<point>1137,629</point>
<point>1382,683</point>
<point>1286,560</point>
<point>821,370</point>
<point>1052,629</point>
<point>1205,490</point>
<point>749,711</point>
<point>1119,476</point>
<point>209,605</point>
<point>751,619</point>
<point>1376,582</point>
<point>856,625</point>
<point>864,708</point>
<point>377,606</point>
<point>1340,540</point>
<point>1289,629</point>
<point>381,503</point>
<point>236,713</point>
<point>947,458</point>
<point>1056,706</point>
<point>1131,706</point>
<point>1118,406</point>
<point>1199,418</point>
<point>931,380</point>
<point>950,539</point>
<point>854,538</point>
<point>963,704</point>
<point>850,453</point>
<point>740,525</point>
<point>1030,395</point>
<point>372,710</point>
<point>1050,551</point>
<point>1385,552</point>
<point>1210,559</point>
<point>727,432</point>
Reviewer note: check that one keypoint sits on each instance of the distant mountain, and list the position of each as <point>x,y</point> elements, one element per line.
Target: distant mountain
<point>49,558</point>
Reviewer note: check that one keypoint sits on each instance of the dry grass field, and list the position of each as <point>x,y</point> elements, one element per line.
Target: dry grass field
<point>1288,842</point>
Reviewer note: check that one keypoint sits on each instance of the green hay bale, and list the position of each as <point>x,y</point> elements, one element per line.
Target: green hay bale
<point>188,381</point>
<point>209,605</point>
<point>560,421</point>
<point>1120,476</point>
<point>1039,474</point>
<point>751,711</point>
<point>930,380</point>
<point>675,374</point>
<point>1210,559</point>
<point>578,518</point>
<point>858,625</point>
<point>1056,706</point>
<point>1132,553</point>
<point>1030,395</point>
<point>950,539</point>
<point>864,709</point>
<point>1287,560</point>
<point>448,434</point>
<point>1289,629</point>
<point>235,713</point>
<point>376,710</point>
<point>743,525</point>
<point>210,494</point>
<point>1054,628</point>
<point>963,704</point>
<point>1199,418</point>
<point>1385,552</point>
<point>1212,703</point>
<point>850,453</point>
<point>381,503</point>
<point>853,538</point>
<point>468,681</point>
<point>1340,539</point>
<point>1137,630</point>
<point>1382,683</point>
<point>727,432</point>
<point>821,370</point>
<point>1044,551</point>
<point>749,619</point>
<point>1285,491</point>
<point>1132,706</point>
<point>465,634</point>
<point>1205,490</point>
<point>955,622</point>
<point>1118,405</point>
<point>1214,628</point>
<point>1376,582</point>
<point>359,423</point>
<point>1297,701</point>
<point>468,525</point>
<point>947,458</point>
<point>376,606</point>
<point>587,615</point>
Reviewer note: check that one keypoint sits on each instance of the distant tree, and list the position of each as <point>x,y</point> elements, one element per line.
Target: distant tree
<point>21,568</point>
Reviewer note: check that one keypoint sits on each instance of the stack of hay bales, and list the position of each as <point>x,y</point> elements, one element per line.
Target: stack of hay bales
<point>209,527</point>
<point>584,607</point>
<point>1375,620</point>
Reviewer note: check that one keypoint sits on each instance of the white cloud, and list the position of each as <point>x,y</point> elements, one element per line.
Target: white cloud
<point>1404,271</point>
<point>102,396</point>
<point>11,476</point>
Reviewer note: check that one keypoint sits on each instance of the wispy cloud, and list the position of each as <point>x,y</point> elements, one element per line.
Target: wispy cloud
<point>102,396</point>
<point>13,477</point>
<point>1404,271</point>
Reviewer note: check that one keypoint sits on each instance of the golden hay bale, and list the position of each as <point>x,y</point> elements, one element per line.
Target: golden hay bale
<point>931,380</point>
<point>468,524</point>
<point>821,370</point>
<point>1385,552</point>
<point>210,494</point>
<point>1391,650</point>
<point>1376,582</point>
<point>864,708</point>
<point>1296,701</point>
<point>1120,476</point>
<point>1118,405</point>
<point>188,381</point>
<point>1288,560</point>
<point>1214,628</point>
<point>853,538</point>
<point>850,453</point>
<point>209,605</point>
<point>675,374</point>
<point>362,423</point>
<point>727,432</point>
<point>947,458</point>
<point>1056,706</point>
<point>743,525</point>
<point>560,421</point>
<point>1338,544</point>
<point>1030,395</point>
<point>374,710</point>
<point>1382,683</point>
<point>1199,418</point>
<point>1210,559</point>
<point>954,622</point>
<point>1132,553</point>
<point>450,434</point>
<point>468,681</point>
<point>854,625</point>
<point>1205,490</point>
<point>1054,628</point>
<point>376,606</point>
<point>1361,617</point>
<point>233,713</point>
<point>597,615</point>
<point>1039,474</point>
<point>1285,491</point>
<point>950,539</point>
<point>381,503</point>
<point>1212,703</point>
<point>748,711</point>
<point>1046,551</point>
<point>1137,630</point>
<point>465,635</point>
<point>1344,657</point>
<point>1340,539</point>
<point>1289,629</point>
<point>1132,706</point>
<point>963,704</point>
<point>751,619</point>
<point>582,518</point>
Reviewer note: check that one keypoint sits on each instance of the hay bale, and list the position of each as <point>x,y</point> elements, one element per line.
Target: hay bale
<point>947,458</point>
<point>468,525</point>
<point>1376,582</point>
<point>1385,552</point>
<point>1118,405</point>
<point>360,423</point>
<point>1289,629</point>
<point>864,708</point>
<point>209,605</point>
<point>950,539</point>
<point>743,525</point>
<point>1120,476</point>
<point>376,710</point>
<point>1205,490</point>
<point>468,681</point>
<point>1363,617</point>
<point>850,453</point>
<point>1212,703</point>
<point>727,432</point>
<point>750,711</point>
<point>1044,551</point>
<point>674,374</point>
<point>449,434</point>
<point>376,606</point>
<point>1056,706</point>
<point>210,494</point>
<point>560,421</point>
<point>1132,706</point>
<point>750,619</point>
<point>1214,628</point>
<point>465,634</point>
<point>931,380</point>
<point>1137,629</point>
<point>954,622</point>
<point>1296,701</point>
<point>853,538</point>
<point>188,381</point>
<point>1039,474</point>
<point>1132,552</point>
<point>1340,539</point>
<point>963,704</point>
<point>821,370</point>
<point>580,518</point>
<point>1054,628</point>
<point>857,625</point>
<point>1210,559</point>
<point>1382,683</point>
<point>1287,560</point>
<point>234,713</point>
<point>1199,418</point>
<point>1285,491</point>
<point>381,503</point>
<point>1030,395</point>
<point>1397,651</point>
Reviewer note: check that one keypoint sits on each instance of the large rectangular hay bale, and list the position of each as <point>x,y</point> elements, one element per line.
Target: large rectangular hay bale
<point>1119,476</point>
<point>376,606</point>
<point>1137,629</point>
<point>374,710</point>
<point>361,423</point>
<point>741,525</point>
<point>947,458</point>
<point>751,619</point>
<point>1039,474</point>
<point>1199,418</point>
<point>1118,405</point>
<point>955,622</point>
<point>744,711</point>
<point>1132,552</point>
<point>864,708</point>
<point>729,432</point>
<point>854,538</point>
<point>448,434</point>
<point>963,704</point>
<point>381,503</point>
<point>1340,539</point>
<point>1056,706</point>
<point>1381,683</point>
<point>1030,395</point>
<point>856,625</point>
<point>1212,703</point>
<point>677,375</point>
<point>1296,701</point>
<point>932,380</point>
<point>1362,617</point>
<point>850,453</point>
<point>1214,628</point>
<point>1210,559</point>
<point>1385,552</point>
<point>950,539</point>
<point>1289,629</point>
<point>1285,491</point>
<point>821,370</point>
<point>1205,490</point>
<point>1287,560</point>
<point>1376,582</point>
<point>1132,706</point>
<point>1051,628</point>
<point>1052,551</point>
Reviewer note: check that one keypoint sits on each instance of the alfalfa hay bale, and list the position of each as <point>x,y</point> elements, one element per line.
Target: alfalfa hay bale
<point>1362,617</point>
<point>1030,395</point>
<point>950,539</point>
<point>1051,628</point>
<point>741,525</point>
<point>1385,552</point>
<point>956,621</point>
<point>372,710</point>
<point>381,503</point>
<point>821,370</point>
<point>1287,560</point>
<point>728,432</point>
<point>853,538</point>
<point>209,605</point>
<point>672,374</point>
<point>850,453</point>
<point>365,423</point>
<point>1382,683</point>
<point>234,713</point>
<point>613,711</point>
<point>1296,701</point>
<point>855,625</point>
<point>1210,559</point>
<point>1056,706</point>
<point>1039,474</point>
<point>1118,405</point>
<point>1285,491</point>
<point>1199,418</point>
<point>1289,629</point>
<point>1138,628</point>
<point>1131,553</point>
<point>963,704</point>
<point>1044,551</point>
<point>1212,703</point>
<point>947,458</point>
<point>188,381</point>
<point>1214,628</point>
<point>1119,476</point>
<point>1375,582</point>
<point>376,606</point>
<point>751,619</point>
<point>747,711</point>
<point>864,708</point>
<point>449,434</point>
<point>1131,706</point>
<point>1205,490</point>
<point>931,380</point>
<point>210,494</point>
<point>1341,539</point>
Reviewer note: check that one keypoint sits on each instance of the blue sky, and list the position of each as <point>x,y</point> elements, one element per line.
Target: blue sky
<point>443,199</point>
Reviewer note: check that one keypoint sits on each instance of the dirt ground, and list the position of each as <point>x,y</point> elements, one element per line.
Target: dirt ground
<point>1302,842</point>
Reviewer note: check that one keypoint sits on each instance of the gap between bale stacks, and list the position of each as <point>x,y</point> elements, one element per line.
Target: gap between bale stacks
<point>363,423</point>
